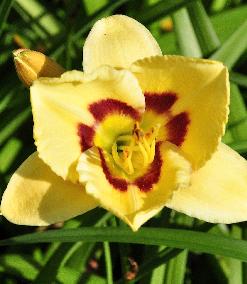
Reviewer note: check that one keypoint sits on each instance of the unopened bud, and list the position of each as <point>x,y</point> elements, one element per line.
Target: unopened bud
<point>31,65</point>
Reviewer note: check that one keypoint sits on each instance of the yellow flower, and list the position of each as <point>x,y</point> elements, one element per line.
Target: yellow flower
<point>136,132</point>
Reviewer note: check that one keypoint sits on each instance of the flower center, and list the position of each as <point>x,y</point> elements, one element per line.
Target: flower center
<point>135,151</point>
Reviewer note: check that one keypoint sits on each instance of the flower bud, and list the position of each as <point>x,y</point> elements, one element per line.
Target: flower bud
<point>31,65</point>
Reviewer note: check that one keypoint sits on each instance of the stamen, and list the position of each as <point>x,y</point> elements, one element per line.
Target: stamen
<point>137,142</point>
<point>144,154</point>
<point>115,155</point>
<point>152,152</point>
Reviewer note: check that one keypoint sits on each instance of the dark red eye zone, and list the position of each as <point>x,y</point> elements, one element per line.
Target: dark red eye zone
<point>86,134</point>
<point>160,103</point>
<point>151,177</point>
<point>102,108</point>
<point>177,128</point>
<point>117,183</point>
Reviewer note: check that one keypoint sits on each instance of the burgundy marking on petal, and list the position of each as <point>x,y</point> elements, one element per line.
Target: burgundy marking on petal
<point>105,107</point>
<point>151,177</point>
<point>177,128</point>
<point>86,134</point>
<point>117,183</point>
<point>160,103</point>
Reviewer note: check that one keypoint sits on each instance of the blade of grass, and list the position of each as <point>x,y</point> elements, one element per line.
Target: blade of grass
<point>124,253</point>
<point>218,5</point>
<point>225,28</point>
<point>39,12</point>
<point>175,269</point>
<point>159,10</point>
<point>239,146</point>
<point>244,237</point>
<point>233,47</point>
<point>177,238</point>
<point>67,275</point>
<point>185,34</point>
<point>108,262</point>
<point>93,6</point>
<point>238,79</point>
<point>235,276</point>
<point>5,101</point>
<point>160,258</point>
<point>158,273</point>
<point>63,252</point>
<point>238,115</point>
<point>8,153</point>
<point>14,124</point>
<point>203,28</point>
<point>22,266</point>
<point>80,257</point>
<point>5,7</point>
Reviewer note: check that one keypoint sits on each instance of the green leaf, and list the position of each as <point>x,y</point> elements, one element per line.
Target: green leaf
<point>175,269</point>
<point>14,124</point>
<point>108,262</point>
<point>159,10</point>
<point>8,153</point>
<point>158,272</point>
<point>238,115</point>
<point>185,34</point>
<point>233,47</point>
<point>50,270</point>
<point>238,79</point>
<point>67,275</point>
<point>235,276</point>
<point>80,256</point>
<point>93,6</point>
<point>225,28</point>
<point>19,265</point>
<point>5,7</point>
<point>203,28</point>
<point>239,146</point>
<point>63,252</point>
<point>244,265</point>
<point>218,5</point>
<point>155,261</point>
<point>44,20</point>
<point>177,238</point>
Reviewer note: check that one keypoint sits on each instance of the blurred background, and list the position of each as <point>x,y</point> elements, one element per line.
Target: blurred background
<point>210,29</point>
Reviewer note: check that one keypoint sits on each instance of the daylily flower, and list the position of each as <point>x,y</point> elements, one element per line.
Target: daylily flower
<point>136,132</point>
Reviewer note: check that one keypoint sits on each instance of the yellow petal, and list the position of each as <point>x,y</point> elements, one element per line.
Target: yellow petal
<point>63,115</point>
<point>36,196</point>
<point>192,97</point>
<point>117,41</point>
<point>134,200</point>
<point>218,193</point>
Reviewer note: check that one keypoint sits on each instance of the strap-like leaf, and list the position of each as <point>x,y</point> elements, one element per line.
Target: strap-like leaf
<point>177,238</point>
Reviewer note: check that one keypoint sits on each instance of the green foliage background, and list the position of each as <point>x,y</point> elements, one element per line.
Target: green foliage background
<point>97,247</point>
